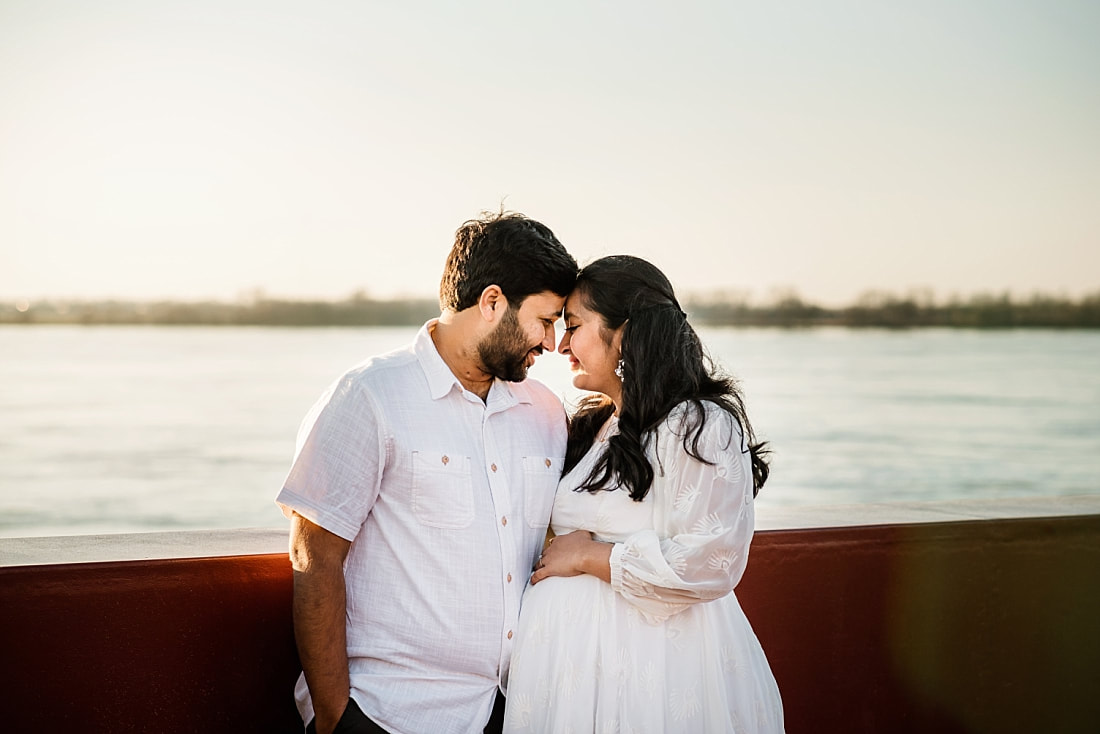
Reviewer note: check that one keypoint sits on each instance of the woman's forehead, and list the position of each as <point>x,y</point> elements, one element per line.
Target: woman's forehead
<point>575,306</point>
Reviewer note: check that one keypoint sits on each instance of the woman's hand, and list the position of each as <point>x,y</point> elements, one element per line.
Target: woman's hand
<point>572,555</point>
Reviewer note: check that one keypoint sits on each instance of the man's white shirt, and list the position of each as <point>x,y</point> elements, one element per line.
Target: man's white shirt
<point>445,499</point>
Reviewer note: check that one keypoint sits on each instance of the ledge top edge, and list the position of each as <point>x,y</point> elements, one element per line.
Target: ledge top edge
<point>165,545</point>
<point>185,544</point>
<point>770,517</point>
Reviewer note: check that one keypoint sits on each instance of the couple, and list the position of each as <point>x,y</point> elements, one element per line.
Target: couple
<point>425,479</point>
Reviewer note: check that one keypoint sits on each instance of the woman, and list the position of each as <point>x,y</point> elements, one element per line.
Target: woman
<point>630,623</point>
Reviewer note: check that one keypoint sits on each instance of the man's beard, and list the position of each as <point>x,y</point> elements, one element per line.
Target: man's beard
<point>503,352</point>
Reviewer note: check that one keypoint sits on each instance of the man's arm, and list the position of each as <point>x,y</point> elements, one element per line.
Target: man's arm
<point>320,623</point>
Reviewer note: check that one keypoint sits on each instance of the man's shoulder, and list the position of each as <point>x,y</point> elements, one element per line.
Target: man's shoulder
<point>381,367</point>
<point>381,363</point>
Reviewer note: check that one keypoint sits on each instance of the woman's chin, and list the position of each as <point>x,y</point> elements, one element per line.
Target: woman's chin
<point>586,383</point>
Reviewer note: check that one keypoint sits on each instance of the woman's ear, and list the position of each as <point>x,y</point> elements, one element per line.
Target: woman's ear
<point>492,304</point>
<point>617,339</point>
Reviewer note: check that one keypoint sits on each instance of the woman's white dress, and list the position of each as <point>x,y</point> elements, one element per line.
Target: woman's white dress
<point>665,646</point>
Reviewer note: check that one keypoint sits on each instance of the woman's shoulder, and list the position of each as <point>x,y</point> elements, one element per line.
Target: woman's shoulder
<point>713,424</point>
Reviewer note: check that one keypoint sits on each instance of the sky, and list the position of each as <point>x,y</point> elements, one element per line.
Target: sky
<point>225,148</point>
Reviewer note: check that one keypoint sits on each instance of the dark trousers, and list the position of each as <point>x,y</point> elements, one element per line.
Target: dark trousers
<point>496,719</point>
<point>354,721</point>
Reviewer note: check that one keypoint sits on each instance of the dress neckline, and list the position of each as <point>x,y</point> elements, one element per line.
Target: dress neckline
<point>605,431</point>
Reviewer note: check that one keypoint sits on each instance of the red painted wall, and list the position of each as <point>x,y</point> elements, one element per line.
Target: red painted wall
<point>195,645</point>
<point>985,626</point>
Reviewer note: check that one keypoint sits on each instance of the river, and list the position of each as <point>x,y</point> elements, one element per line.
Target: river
<point>124,429</point>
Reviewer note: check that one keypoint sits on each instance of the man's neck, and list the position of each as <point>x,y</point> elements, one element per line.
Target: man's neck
<point>453,341</point>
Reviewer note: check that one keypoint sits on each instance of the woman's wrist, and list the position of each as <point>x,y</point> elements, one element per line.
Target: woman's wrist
<point>597,560</point>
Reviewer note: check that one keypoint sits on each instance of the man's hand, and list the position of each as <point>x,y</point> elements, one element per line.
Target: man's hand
<point>320,609</point>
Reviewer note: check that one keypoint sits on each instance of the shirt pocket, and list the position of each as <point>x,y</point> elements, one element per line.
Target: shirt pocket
<point>442,490</point>
<point>540,482</point>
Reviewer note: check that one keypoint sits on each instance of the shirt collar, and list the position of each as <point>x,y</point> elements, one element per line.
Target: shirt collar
<point>441,380</point>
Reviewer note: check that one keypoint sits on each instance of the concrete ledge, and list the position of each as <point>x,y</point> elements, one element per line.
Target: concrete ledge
<point>60,549</point>
<point>909,513</point>
<point>141,546</point>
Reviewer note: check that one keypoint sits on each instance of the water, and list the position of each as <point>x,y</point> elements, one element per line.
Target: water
<point>120,429</point>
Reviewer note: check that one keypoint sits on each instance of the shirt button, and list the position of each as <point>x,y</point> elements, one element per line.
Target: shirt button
<point>509,634</point>
<point>504,520</point>
<point>509,578</point>
<point>493,467</point>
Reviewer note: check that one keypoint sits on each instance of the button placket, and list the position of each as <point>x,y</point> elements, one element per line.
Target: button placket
<point>506,529</point>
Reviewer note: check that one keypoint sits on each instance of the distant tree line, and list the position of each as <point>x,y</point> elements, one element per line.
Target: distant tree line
<point>885,310</point>
<point>261,312</point>
<point>871,310</point>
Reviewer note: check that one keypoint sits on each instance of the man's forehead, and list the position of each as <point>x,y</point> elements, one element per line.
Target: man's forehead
<point>546,303</point>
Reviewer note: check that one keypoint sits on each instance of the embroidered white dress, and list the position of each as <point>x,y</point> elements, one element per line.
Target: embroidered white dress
<point>665,646</point>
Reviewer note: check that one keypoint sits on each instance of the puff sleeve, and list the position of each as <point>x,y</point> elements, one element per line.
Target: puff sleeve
<point>703,522</point>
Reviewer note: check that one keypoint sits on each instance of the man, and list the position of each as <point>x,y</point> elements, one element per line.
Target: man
<point>420,496</point>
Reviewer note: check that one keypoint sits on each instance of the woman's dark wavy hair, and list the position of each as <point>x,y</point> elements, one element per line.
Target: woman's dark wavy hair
<point>663,365</point>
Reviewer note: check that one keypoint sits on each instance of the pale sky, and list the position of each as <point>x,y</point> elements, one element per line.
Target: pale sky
<point>209,148</point>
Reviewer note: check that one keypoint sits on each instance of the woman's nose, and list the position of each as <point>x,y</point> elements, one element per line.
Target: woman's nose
<point>563,347</point>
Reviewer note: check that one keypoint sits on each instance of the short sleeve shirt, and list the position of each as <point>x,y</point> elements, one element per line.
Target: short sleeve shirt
<point>445,499</point>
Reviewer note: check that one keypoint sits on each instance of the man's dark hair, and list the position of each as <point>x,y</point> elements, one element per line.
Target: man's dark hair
<point>507,249</point>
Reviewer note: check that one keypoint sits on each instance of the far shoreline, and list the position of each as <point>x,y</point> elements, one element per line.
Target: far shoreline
<point>871,311</point>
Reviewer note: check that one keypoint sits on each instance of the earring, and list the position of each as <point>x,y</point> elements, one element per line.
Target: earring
<point>619,369</point>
